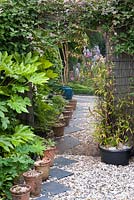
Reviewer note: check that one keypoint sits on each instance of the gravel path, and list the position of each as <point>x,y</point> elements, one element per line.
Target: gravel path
<point>83,119</point>
<point>92,179</point>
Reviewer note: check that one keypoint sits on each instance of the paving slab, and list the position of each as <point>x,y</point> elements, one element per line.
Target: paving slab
<point>65,143</point>
<point>41,198</point>
<point>71,129</point>
<point>54,188</point>
<point>61,161</point>
<point>59,173</point>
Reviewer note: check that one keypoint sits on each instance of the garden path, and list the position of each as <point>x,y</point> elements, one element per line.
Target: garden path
<point>77,140</point>
<point>78,173</point>
<point>78,136</point>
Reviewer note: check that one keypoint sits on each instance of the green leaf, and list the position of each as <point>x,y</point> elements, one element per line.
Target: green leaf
<point>39,78</point>
<point>5,122</point>
<point>5,143</point>
<point>20,88</point>
<point>19,104</point>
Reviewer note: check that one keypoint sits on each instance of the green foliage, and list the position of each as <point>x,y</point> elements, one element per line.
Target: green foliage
<point>11,167</point>
<point>114,122</point>
<point>47,112</point>
<point>18,20</point>
<point>17,141</point>
<point>49,143</point>
<point>80,88</point>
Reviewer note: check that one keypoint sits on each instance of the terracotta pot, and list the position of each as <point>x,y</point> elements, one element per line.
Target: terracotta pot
<point>50,153</point>
<point>20,192</point>
<point>67,113</point>
<point>58,129</point>
<point>34,179</point>
<point>69,107</point>
<point>73,103</point>
<point>66,120</point>
<point>44,167</point>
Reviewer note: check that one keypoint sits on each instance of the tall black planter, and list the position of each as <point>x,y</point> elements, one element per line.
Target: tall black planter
<point>115,157</point>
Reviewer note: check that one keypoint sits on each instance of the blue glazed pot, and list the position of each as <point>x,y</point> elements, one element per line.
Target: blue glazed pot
<point>67,92</point>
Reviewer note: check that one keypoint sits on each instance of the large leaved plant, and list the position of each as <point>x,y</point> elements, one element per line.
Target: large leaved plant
<point>17,141</point>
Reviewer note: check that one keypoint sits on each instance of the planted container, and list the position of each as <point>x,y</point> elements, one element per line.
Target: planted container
<point>44,167</point>
<point>20,192</point>
<point>34,179</point>
<point>67,113</point>
<point>58,129</point>
<point>66,120</point>
<point>69,107</point>
<point>67,92</point>
<point>115,156</point>
<point>50,153</point>
<point>73,103</point>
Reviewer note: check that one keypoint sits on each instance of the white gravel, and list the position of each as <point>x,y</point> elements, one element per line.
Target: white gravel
<point>92,179</point>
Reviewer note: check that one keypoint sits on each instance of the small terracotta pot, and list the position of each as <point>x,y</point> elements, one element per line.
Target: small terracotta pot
<point>43,166</point>
<point>73,103</point>
<point>66,120</point>
<point>50,153</point>
<point>69,107</point>
<point>67,113</point>
<point>34,179</point>
<point>20,192</point>
<point>58,129</point>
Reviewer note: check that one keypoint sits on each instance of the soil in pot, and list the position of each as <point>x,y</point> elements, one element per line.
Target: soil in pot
<point>58,129</point>
<point>50,153</point>
<point>44,167</point>
<point>34,179</point>
<point>20,192</point>
<point>115,156</point>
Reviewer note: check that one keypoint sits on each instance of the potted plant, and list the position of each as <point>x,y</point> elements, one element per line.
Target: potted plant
<point>44,167</point>
<point>50,150</point>
<point>69,107</point>
<point>73,103</point>
<point>20,192</point>
<point>58,129</point>
<point>34,179</point>
<point>68,113</point>
<point>113,127</point>
<point>64,119</point>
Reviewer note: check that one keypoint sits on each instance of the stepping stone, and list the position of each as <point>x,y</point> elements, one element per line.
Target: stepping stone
<point>72,129</point>
<point>53,188</point>
<point>59,173</point>
<point>61,161</point>
<point>65,143</point>
<point>41,198</point>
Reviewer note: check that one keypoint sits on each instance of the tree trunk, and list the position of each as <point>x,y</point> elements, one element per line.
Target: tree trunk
<point>65,56</point>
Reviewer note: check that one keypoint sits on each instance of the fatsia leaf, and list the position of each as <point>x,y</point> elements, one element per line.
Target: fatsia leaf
<point>5,143</point>
<point>51,74</point>
<point>45,64</point>
<point>38,78</point>
<point>5,122</point>
<point>23,132</point>
<point>20,88</point>
<point>19,103</point>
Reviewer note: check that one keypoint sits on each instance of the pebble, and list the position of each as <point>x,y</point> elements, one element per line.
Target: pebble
<point>92,179</point>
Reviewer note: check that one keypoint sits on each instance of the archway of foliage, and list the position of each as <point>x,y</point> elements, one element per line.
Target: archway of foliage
<point>36,24</point>
<point>47,26</point>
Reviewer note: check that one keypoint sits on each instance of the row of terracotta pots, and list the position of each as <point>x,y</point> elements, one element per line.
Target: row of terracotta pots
<point>33,178</point>
<point>58,129</point>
